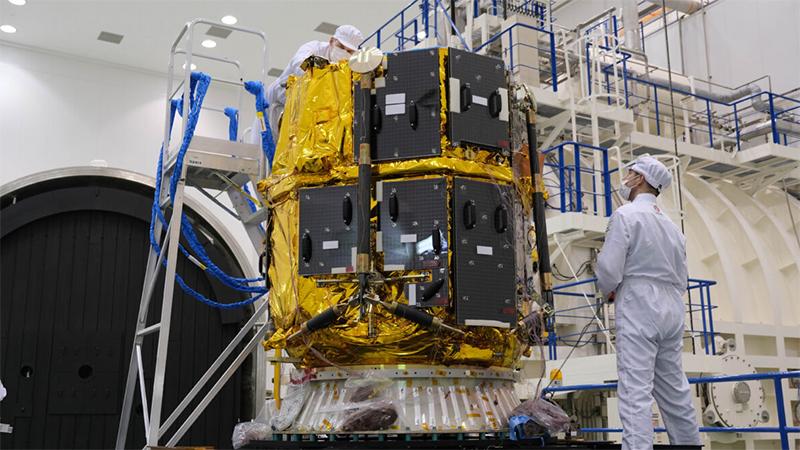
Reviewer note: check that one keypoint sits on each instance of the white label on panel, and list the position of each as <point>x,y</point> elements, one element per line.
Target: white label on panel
<point>486,323</point>
<point>353,256</point>
<point>412,294</point>
<point>455,97</point>
<point>406,238</point>
<point>380,82</point>
<point>338,269</point>
<point>395,110</point>
<point>393,267</point>
<point>379,241</point>
<point>392,99</point>
<point>379,191</point>
<point>330,245</point>
<point>484,250</point>
<point>478,100</point>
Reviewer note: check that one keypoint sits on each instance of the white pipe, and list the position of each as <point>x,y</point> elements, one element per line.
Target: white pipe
<point>630,23</point>
<point>684,6</point>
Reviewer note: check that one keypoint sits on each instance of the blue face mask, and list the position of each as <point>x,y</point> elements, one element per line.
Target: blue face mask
<point>625,192</point>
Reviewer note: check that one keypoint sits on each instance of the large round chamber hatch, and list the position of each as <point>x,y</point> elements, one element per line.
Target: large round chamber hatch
<point>74,250</point>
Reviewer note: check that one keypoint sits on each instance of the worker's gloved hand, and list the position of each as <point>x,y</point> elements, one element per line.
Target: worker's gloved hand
<point>611,297</point>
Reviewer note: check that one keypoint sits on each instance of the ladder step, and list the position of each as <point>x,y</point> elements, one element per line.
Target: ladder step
<point>256,217</point>
<point>149,330</point>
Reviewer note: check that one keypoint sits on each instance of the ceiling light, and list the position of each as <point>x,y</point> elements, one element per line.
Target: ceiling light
<point>209,43</point>
<point>421,35</point>
<point>17,2</point>
<point>219,32</point>
<point>194,67</point>
<point>229,20</point>
<point>326,28</point>
<point>113,38</point>
<point>8,29</point>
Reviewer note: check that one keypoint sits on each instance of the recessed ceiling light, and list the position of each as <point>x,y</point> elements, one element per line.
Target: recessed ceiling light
<point>229,20</point>
<point>219,32</point>
<point>209,43</point>
<point>326,28</point>
<point>193,66</point>
<point>8,29</point>
<point>107,36</point>
<point>17,2</point>
<point>421,35</point>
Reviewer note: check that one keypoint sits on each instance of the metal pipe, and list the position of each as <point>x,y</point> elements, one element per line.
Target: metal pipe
<point>684,6</point>
<point>781,126</point>
<point>630,22</point>
<point>364,184</point>
<point>539,220</point>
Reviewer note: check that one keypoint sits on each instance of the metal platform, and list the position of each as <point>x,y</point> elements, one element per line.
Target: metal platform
<point>751,168</point>
<point>211,163</point>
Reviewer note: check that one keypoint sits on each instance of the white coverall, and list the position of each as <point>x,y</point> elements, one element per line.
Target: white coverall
<point>276,92</point>
<point>643,261</point>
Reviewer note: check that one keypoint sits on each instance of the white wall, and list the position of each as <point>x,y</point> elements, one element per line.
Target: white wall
<point>746,40</point>
<point>59,111</point>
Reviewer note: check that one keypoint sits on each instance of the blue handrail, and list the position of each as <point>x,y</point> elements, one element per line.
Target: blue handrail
<point>705,309</point>
<point>731,118</point>
<point>570,183</point>
<point>511,65</point>
<point>782,429</point>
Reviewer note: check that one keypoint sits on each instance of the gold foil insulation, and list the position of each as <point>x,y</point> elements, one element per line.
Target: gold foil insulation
<point>315,148</point>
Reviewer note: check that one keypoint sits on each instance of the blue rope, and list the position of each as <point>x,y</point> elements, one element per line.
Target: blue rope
<point>197,94</point>
<point>240,284</point>
<point>233,123</point>
<point>267,143</point>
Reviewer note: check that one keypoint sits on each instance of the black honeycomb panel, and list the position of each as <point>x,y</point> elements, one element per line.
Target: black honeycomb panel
<point>411,83</point>
<point>333,241</point>
<point>474,125</point>
<point>483,257</point>
<point>420,212</point>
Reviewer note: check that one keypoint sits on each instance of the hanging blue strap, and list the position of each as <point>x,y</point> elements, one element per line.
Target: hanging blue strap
<point>267,143</point>
<point>233,123</point>
<point>198,88</point>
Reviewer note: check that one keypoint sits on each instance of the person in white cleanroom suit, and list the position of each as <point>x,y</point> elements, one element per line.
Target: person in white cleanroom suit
<point>642,267</point>
<point>341,45</point>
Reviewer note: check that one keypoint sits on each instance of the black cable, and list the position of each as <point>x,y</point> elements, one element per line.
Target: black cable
<point>675,142</point>
<point>791,215</point>
<point>583,331</point>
